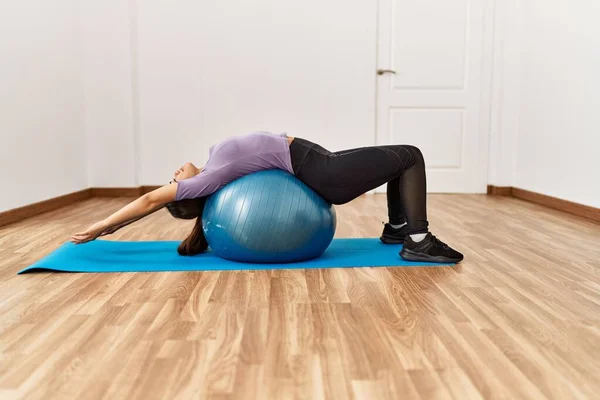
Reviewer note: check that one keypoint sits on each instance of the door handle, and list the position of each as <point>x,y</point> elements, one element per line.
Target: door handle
<point>384,71</point>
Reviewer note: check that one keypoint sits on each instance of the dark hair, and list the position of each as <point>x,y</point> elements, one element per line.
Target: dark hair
<point>195,243</point>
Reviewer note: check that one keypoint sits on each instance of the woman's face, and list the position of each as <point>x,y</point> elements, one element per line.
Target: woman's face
<point>186,171</point>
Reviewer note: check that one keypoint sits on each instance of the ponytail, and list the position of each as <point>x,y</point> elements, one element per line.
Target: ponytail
<point>196,242</point>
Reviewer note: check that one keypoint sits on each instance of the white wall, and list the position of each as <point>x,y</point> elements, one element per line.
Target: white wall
<point>209,70</point>
<point>549,128</point>
<point>558,151</point>
<point>154,84</point>
<point>42,142</point>
<point>118,93</point>
<point>109,94</point>
<point>505,93</point>
<point>164,81</point>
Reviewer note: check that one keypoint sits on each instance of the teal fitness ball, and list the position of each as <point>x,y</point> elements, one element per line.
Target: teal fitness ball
<point>268,217</point>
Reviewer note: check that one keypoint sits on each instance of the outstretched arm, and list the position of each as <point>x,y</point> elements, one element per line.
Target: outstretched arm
<point>113,229</point>
<point>132,212</point>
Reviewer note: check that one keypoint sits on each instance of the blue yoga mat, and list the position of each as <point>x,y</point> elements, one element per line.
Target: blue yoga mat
<point>110,256</point>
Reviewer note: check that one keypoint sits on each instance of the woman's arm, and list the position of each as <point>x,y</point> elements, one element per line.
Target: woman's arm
<point>132,212</point>
<point>113,229</point>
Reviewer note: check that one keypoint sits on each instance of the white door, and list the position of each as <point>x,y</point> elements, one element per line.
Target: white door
<point>434,100</point>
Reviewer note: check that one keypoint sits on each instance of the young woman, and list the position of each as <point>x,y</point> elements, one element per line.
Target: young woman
<point>338,177</point>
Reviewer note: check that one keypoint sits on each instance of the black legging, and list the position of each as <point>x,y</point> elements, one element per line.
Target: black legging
<point>343,176</point>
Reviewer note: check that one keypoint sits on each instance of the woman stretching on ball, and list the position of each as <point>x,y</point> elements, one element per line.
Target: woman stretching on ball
<point>337,177</point>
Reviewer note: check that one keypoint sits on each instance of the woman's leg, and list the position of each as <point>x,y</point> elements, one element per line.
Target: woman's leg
<point>394,201</point>
<point>409,191</point>
<point>413,191</point>
<point>341,177</point>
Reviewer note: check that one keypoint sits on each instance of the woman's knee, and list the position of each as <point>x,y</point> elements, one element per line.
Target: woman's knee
<point>415,152</point>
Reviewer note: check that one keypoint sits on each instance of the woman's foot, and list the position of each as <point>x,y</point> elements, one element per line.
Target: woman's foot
<point>430,249</point>
<point>393,235</point>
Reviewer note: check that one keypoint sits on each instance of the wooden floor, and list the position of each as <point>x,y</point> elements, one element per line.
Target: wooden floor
<point>518,319</point>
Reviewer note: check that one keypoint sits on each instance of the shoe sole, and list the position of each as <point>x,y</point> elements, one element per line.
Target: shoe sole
<point>391,240</point>
<point>410,255</point>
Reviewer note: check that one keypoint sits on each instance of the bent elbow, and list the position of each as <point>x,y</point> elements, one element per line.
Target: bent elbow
<point>146,199</point>
<point>150,201</point>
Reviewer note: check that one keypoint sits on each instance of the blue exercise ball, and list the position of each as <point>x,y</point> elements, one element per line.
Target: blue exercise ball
<point>268,217</point>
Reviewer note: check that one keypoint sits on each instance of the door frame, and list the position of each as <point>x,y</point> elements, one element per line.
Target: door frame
<point>487,95</point>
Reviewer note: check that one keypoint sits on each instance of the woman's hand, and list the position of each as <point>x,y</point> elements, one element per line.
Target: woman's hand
<point>91,233</point>
<point>112,230</point>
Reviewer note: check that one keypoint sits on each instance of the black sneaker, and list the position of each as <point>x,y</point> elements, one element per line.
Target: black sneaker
<point>392,235</point>
<point>430,249</point>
